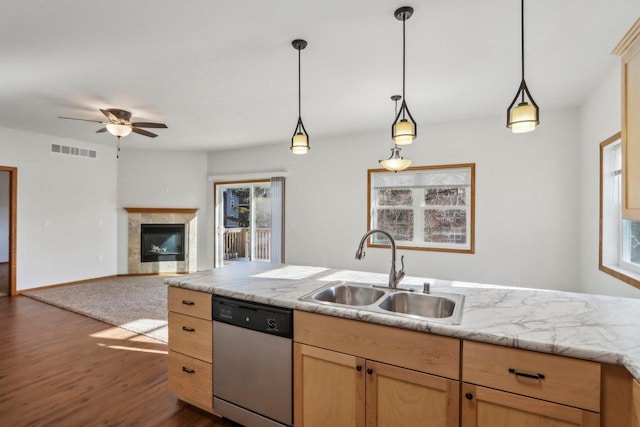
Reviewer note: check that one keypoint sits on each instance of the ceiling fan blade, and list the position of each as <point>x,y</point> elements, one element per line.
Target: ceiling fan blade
<point>112,117</point>
<point>83,120</point>
<point>149,125</point>
<point>101,130</point>
<point>143,132</point>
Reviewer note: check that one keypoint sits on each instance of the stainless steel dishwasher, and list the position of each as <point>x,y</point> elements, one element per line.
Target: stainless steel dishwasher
<point>252,363</point>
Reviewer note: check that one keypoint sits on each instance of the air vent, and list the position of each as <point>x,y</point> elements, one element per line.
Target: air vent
<point>73,151</point>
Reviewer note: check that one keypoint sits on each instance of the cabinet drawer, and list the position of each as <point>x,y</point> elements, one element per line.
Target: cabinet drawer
<point>192,303</point>
<point>558,379</point>
<point>192,380</point>
<point>191,336</point>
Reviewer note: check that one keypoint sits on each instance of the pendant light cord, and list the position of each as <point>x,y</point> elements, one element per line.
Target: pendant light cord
<point>522,40</point>
<point>299,86</point>
<point>404,19</point>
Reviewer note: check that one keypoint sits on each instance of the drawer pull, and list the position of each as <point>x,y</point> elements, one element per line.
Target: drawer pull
<point>184,328</point>
<point>524,374</point>
<point>187,370</point>
<point>185,302</point>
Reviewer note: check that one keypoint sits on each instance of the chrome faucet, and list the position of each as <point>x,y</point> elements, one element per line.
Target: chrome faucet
<point>394,276</point>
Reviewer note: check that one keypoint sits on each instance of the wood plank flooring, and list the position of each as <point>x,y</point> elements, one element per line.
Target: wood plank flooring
<point>58,368</point>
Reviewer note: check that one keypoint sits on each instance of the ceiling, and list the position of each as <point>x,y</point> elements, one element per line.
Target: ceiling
<point>223,74</point>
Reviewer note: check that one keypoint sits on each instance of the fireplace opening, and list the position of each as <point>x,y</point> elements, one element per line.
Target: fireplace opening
<point>162,242</point>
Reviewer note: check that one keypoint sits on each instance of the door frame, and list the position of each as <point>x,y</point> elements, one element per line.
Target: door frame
<point>13,220</point>
<point>216,201</point>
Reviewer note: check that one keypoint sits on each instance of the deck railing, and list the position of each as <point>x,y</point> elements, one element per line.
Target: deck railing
<point>237,243</point>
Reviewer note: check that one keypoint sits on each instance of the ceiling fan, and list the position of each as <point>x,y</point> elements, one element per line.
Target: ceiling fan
<point>120,124</point>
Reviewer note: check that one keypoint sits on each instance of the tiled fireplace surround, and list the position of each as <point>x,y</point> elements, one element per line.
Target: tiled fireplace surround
<point>138,216</point>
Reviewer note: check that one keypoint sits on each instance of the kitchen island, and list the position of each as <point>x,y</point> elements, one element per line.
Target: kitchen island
<point>589,327</point>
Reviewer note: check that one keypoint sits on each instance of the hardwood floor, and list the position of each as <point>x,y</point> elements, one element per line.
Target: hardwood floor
<point>58,368</point>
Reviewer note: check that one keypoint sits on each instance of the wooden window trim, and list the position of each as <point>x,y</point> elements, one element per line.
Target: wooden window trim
<point>472,208</point>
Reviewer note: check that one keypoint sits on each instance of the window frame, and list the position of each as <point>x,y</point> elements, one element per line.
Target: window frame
<point>470,249</point>
<point>619,268</point>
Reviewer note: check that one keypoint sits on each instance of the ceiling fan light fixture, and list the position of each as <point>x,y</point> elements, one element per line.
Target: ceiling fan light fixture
<point>395,162</point>
<point>118,130</point>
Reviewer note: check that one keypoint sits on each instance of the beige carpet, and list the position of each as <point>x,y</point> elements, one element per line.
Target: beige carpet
<point>135,303</point>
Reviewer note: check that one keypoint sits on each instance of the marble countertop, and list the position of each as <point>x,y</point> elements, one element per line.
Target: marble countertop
<point>593,327</point>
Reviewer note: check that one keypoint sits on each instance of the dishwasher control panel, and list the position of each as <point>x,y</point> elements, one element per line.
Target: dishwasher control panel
<point>250,315</point>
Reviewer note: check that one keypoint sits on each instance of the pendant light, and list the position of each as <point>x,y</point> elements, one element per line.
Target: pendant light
<point>300,138</point>
<point>404,128</point>
<point>395,162</point>
<point>525,116</point>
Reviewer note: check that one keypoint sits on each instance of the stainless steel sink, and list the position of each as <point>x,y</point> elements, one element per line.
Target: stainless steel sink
<point>347,294</point>
<point>435,306</point>
<point>418,304</point>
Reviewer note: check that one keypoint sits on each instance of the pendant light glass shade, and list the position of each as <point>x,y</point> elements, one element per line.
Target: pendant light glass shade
<point>118,130</point>
<point>300,140</point>
<point>526,115</point>
<point>523,118</point>
<point>300,137</point>
<point>395,162</point>
<point>404,132</point>
<point>404,129</point>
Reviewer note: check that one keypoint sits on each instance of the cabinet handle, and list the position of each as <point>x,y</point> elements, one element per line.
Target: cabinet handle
<point>187,370</point>
<point>359,368</point>
<point>526,375</point>
<point>184,328</point>
<point>469,396</point>
<point>369,371</point>
<point>185,302</point>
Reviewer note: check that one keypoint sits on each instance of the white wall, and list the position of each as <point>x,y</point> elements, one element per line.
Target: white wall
<point>163,179</point>
<point>66,217</point>
<point>4,215</point>
<point>600,118</point>
<point>526,199</point>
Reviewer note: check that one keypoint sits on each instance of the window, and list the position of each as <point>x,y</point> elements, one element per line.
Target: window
<point>619,238</point>
<point>423,208</point>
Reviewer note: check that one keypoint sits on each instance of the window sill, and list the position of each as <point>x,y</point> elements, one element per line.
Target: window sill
<point>620,273</point>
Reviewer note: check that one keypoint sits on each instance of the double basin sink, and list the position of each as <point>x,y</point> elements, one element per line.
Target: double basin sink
<point>438,307</point>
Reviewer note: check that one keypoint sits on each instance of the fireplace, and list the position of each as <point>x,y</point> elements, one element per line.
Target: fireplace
<point>162,242</point>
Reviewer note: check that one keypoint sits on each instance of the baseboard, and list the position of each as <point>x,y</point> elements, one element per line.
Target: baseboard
<point>59,285</point>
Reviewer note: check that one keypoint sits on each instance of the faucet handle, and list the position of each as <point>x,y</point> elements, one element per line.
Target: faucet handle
<point>402,265</point>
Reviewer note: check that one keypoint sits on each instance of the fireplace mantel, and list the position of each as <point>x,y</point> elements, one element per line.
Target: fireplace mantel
<point>162,210</point>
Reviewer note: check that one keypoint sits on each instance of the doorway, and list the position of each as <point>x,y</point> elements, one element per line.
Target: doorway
<point>8,205</point>
<point>248,218</point>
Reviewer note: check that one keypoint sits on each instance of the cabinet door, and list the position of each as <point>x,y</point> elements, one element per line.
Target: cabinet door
<point>399,397</point>
<point>631,123</point>
<point>485,407</point>
<point>328,388</point>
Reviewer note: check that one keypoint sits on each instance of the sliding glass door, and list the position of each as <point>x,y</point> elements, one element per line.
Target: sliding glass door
<point>243,222</point>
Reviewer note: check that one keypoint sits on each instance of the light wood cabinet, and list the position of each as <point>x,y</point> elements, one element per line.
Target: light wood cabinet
<point>341,376</point>
<point>486,407</point>
<point>191,346</point>
<point>629,50</point>
<point>328,388</point>
<point>635,405</point>
<point>506,387</point>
